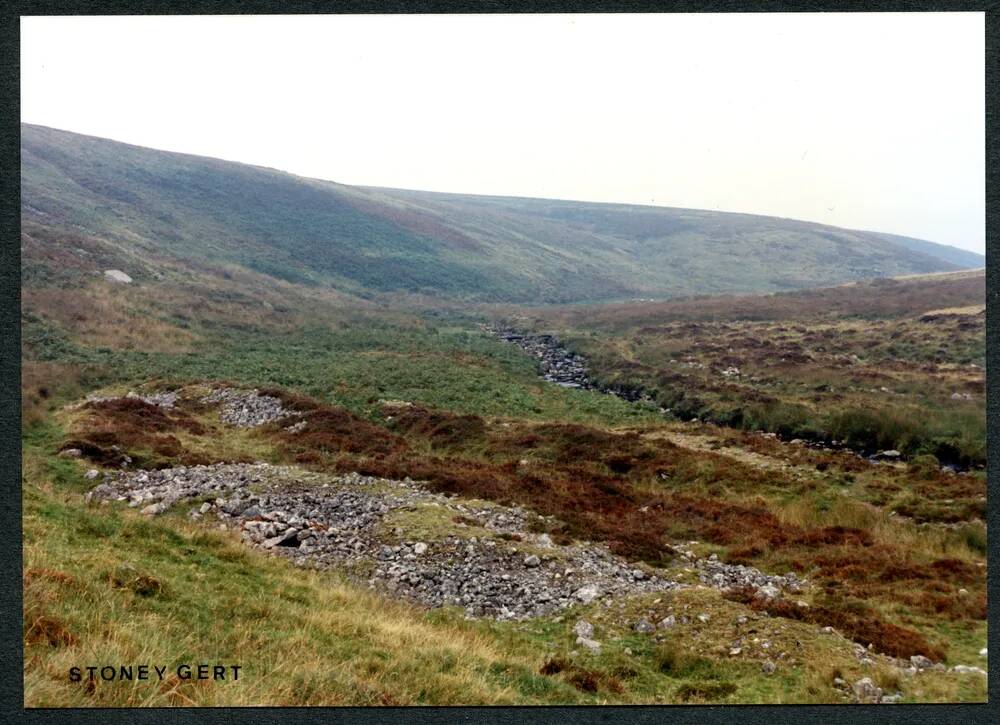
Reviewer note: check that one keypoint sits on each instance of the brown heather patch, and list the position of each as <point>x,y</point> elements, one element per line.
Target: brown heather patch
<point>852,618</point>
<point>112,429</point>
<point>47,630</point>
<point>441,429</point>
<point>33,574</point>
<point>582,678</point>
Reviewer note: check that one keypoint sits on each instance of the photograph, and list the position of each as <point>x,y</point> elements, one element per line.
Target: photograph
<point>502,359</point>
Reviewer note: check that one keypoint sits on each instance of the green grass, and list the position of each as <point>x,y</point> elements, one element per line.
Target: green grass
<point>455,368</point>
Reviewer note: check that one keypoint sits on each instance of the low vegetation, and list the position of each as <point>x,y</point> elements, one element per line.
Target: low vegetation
<point>884,365</point>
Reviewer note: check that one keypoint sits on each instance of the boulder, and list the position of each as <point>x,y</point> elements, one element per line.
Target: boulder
<point>587,593</point>
<point>117,276</point>
<point>867,691</point>
<point>644,626</point>
<point>921,662</point>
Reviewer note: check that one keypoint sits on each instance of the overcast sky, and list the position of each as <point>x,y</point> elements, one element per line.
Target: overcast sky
<point>867,121</point>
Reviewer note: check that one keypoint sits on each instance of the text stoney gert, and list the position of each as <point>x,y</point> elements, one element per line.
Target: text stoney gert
<point>111,673</point>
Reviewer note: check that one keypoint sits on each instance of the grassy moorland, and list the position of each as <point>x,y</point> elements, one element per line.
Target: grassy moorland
<point>894,554</point>
<point>91,204</point>
<point>889,364</point>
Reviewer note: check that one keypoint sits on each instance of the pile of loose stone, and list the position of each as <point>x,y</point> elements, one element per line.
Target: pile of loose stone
<point>247,408</point>
<point>163,400</point>
<point>719,575</point>
<point>316,521</point>
<point>558,364</point>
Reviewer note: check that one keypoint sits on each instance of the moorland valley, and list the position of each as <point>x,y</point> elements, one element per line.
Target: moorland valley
<point>397,447</point>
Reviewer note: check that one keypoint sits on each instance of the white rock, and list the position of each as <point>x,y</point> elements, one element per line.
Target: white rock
<point>583,628</point>
<point>769,591</point>
<point>419,548</point>
<point>91,474</point>
<point>590,644</point>
<point>587,593</point>
<point>969,670</point>
<point>117,276</point>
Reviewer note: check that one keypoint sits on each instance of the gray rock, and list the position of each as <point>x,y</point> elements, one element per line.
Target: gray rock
<point>867,691</point>
<point>921,662</point>
<point>419,548</point>
<point>768,667</point>
<point>590,644</point>
<point>531,560</point>
<point>91,474</point>
<point>583,628</point>
<point>644,626</point>
<point>769,591</point>
<point>70,453</point>
<point>667,622</point>
<point>587,593</point>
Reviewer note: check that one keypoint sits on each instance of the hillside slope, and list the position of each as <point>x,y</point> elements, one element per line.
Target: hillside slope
<point>90,204</point>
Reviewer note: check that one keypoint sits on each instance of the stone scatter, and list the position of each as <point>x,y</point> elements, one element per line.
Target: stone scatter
<point>322,521</point>
<point>248,408</point>
<point>720,575</point>
<point>338,522</point>
<point>164,400</point>
<point>557,364</point>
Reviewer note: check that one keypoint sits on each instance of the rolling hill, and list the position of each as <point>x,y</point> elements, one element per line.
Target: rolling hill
<point>90,204</point>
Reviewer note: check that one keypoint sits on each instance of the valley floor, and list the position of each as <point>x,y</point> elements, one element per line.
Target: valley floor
<point>393,509</point>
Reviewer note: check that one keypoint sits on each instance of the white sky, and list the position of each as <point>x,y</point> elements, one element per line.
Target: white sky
<point>868,121</point>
